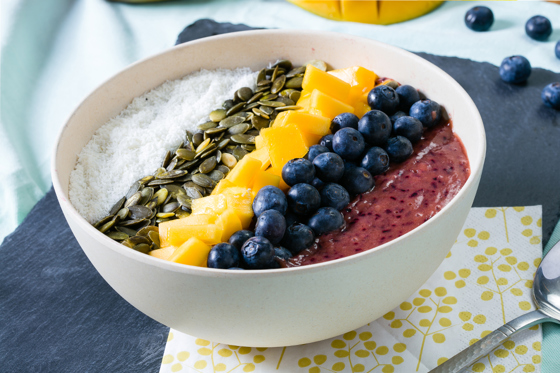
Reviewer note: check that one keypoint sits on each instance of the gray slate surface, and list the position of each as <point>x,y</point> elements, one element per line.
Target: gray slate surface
<point>59,315</point>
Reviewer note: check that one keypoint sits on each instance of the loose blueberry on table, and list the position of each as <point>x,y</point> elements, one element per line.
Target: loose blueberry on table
<point>551,95</point>
<point>479,18</point>
<point>538,28</point>
<point>515,69</point>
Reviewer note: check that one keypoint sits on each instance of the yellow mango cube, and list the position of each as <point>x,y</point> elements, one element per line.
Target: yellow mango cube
<point>360,79</point>
<point>259,142</point>
<point>327,106</point>
<point>244,171</point>
<point>262,156</point>
<point>315,79</point>
<point>281,118</point>
<point>215,204</point>
<point>229,222</point>
<point>278,172</point>
<point>208,233</point>
<point>222,185</point>
<point>164,253</point>
<point>284,143</point>
<point>241,201</point>
<point>263,179</point>
<point>193,252</point>
<point>173,225</point>
<point>309,123</point>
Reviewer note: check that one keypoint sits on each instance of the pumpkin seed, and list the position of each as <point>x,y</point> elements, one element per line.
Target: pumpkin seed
<point>133,189</point>
<point>182,214</point>
<point>102,221</point>
<point>294,82</point>
<point>270,97</point>
<point>255,97</point>
<point>117,236</point>
<point>283,64</point>
<point>209,150</point>
<point>172,164</point>
<point>278,84</point>
<point>215,131</point>
<point>238,129</point>
<point>391,83</point>
<point>166,159</point>
<point>265,89</point>
<point>105,227</point>
<point>261,75</point>
<point>122,214</point>
<point>160,196</point>
<point>227,104</point>
<point>117,206</point>
<point>170,207</point>
<point>139,212</point>
<point>216,175</point>
<point>243,139</point>
<point>260,113</point>
<point>158,182</point>
<point>197,139</point>
<point>154,236</point>
<point>142,247</point>
<point>217,115</point>
<point>222,144</point>
<point>145,180</point>
<point>244,93</point>
<point>259,122</point>
<point>239,153</point>
<point>144,231</point>
<point>229,160</point>
<point>208,165</point>
<point>175,190</point>
<point>266,109</point>
<point>232,121</point>
<point>222,168</point>
<point>286,100</point>
<point>184,201</point>
<point>295,96</point>
<point>162,220</point>
<point>203,180</point>
<point>321,65</point>
<point>272,103</point>
<point>251,106</point>
<point>296,71</point>
<point>133,200</point>
<point>128,223</point>
<point>249,148</point>
<point>173,174</point>
<point>274,74</point>
<point>165,214</point>
<point>208,125</point>
<point>235,108</point>
<point>192,193</point>
<point>130,232</point>
<point>264,83</point>
<point>292,107</point>
<point>202,146</point>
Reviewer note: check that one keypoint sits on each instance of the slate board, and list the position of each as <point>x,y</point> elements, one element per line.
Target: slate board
<point>59,315</point>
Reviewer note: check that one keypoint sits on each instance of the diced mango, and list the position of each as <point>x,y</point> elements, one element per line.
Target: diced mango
<point>208,233</point>
<point>281,118</point>
<point>229,222</point>
<point>263,179</point>
<point>259,143</point>
<point>172,225</point>
<point>193,252</point>
<point>283,144</point>
<point>164,253</point>
<point>326,106</point>
<point>209,205</point>
<point>244,171</point>
<point>309,123</point>
<point>222,185</point>
<point>242,203</point>
<point>360,79</point>
<point>278,172</point>
<point>326,83</point>
<point>262,156</point>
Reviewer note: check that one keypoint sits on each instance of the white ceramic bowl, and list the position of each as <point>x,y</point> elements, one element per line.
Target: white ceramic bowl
<point>284,306</point>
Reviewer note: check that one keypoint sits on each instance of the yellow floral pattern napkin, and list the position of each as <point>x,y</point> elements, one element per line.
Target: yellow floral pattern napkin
<point>484,282</point>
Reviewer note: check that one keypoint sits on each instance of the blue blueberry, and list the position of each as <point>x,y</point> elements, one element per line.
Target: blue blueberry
<point>334,195</point>
<point>326,141</point>
<point>315,150</point>
<point>426,111</point>
<point>551,95</point>
<point>291,218</point>
<point>223,255</point>
<point>479,18</point>
<point>238,238</point>
<point>375,126</point>
<point>409,127</point>
<point>270,198</point>
<point>344,120</point>
<point>258,253</point>
<point>515,69</point>
<point>271,225</point>
<point>236,269</point>
<point>326,219</point>
<point>375,160</point>
<point>282,253</point>
<point>397,115</point>
<point>298,170</point>
<point>303,199</point>
<point>399,149</point>
<point>329,167</point>
<point>557,50</point>
<point>318,183</point>
<point>383,98</point>
<point>298,237</point>
<point>538,28</point>
<point>348,143</point>
<point>357,180</point>
<point>408,95</point>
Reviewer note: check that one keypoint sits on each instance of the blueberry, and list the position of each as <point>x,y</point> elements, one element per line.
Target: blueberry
<point>315,150</point>
<point>396,116</point>
<point>334,195</point>
<point>282,253</point>
<point>426,111</point>
<point>515,69</point>
<point>326,141</point>
<point>318,183</point>
<point>258,253</point>
<point>358,180</point>
<point>551,95</point>
<point>344,120</point>
<point>349,165</point>
<point>399,149</point>
<point>329,167</point>
<point>291,218</point>
<point>271,225</point>
<point>538,28</point>
<point>223,255</point>
<point>298,170</point>
<point>270,198</point>
<point>298,237</point>
<point>383,98</point>
<point>348,143</point>
<point>236,269</point>
<point>408,95</point>
<point>238,238</point>
<point>303,199</point>
<point>409,127</point>
<point>479,18</point>
<point>325,220</point>
<point>375,160</point>
<point>557,50</point>
<point>375,126</point>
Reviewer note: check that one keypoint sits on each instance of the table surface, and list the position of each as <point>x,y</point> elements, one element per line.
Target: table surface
<point>60,315</point>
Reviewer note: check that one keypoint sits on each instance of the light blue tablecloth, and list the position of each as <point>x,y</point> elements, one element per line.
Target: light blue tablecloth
<point>54,52</point>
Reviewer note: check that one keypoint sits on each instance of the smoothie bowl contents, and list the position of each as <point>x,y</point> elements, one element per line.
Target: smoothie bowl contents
<point>290,166</point>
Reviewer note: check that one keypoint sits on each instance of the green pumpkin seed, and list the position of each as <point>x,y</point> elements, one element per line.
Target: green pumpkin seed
<point>296,71</point>
<point>139,212</point>
<point>185,154</point>
<point>160,182</point>
<point>260,113</point>
<point>197,139</point>
<point>239,153</point>
<point>216,175</point>
<point>232,121</point>
<point>222,144</point>
<point>192,193</point>
<point>278,84</point>
<point>173,174</point>
<point>105,227</point>
<point>133,189</point>
<point>142,247</point>
<point>202,146</point>
<point>264,83</point>
<point>162,220</point>
<point>249,148</point>
<point>209,150</point>
<point>165,214</point>
<point>215,131</point>
<point>294,83</point>
<point>227,104</point>
<point>274,74</point>
<point>222,168</point>
<point>166,159</point>
<point>272,103</point>
<point>266,109</point>
<point>117,236</point>
<point>102,221</point>
<point>238,129</point>
<point>208,165</point>
<point>144,231</point>
<point>295,96</point>
<point>146,179</point>
<point>265,89</point>
<point>117,206</point>
<point>207,125</point>
<point>128,223</point>
<point>171,166</point>
<point>293,107</point>
<point>133,200</point>
<point>216,115</point>
<point>154,237</point>
<point>122,214</point>
<point>259,122</point>
<point>283,64</point>
<point>244,93</point>
<point>184,201</point>
<point>203,180</point>
<point>170,207</point>
<point>270,97</point>
<point>286,100</point>
<point>249,107</point>
<point>391,83</point>
<point>175,190</point>
<point>130,232</point>
<point>235,108</point>
<point>255,97</point>
<point>182,214</point>
<point>261,75</point>
<point>243,139</point>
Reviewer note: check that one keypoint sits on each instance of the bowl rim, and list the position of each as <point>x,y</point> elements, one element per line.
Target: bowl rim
<point>63,199</point>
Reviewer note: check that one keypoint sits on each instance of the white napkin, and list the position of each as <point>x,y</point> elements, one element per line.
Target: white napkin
<point>484,282</point>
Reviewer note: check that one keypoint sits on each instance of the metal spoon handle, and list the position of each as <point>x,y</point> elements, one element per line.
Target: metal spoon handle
<point>484,346</point>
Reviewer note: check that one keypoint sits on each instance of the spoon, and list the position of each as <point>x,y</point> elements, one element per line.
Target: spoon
<point>546,294</point>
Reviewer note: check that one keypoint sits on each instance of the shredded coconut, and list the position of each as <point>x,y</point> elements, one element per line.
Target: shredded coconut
<point>133,144</point>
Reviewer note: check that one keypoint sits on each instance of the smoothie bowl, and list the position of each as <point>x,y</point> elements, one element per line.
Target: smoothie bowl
<point>333,292</point>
